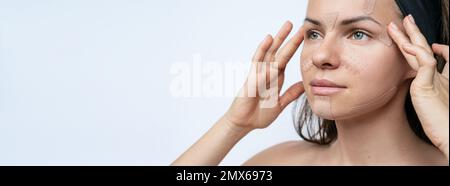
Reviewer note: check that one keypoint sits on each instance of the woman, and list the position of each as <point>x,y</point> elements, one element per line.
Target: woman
<point>374,94</point>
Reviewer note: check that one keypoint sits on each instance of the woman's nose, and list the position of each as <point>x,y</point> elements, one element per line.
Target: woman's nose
<point>327,55</point>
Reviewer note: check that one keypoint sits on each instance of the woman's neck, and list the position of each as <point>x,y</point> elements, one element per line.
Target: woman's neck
<point>382,136</point>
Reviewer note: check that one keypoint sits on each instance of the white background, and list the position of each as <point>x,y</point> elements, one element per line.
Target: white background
<point>87,82</point>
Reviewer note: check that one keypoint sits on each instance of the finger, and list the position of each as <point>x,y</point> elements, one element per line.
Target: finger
<point>278,40</point>
<point>267,74</point>
<point>262,49</point>
<point>442,50</point>
<point>427,65</point>
<point>414,33</point>
<point>249,89</point>
<point>445,71</point>
<point>401,39</point>
<point>291,94</point>
<point>267,80</point>
<point>286,53</point>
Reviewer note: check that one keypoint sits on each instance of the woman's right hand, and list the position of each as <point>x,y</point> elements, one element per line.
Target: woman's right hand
<point>250,110</point>
<point>255,106</point>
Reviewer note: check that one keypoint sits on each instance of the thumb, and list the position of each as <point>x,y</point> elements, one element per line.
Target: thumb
<point>291,94</point>
<point>445,71</point>
<point>442,50</point>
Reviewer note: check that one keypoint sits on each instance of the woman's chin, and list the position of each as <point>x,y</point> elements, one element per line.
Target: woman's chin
<point>322,111</point>
<point>325,111</point>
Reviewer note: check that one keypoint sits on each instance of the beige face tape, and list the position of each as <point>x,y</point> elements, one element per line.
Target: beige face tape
<point>384,38</point>
<point>376,100</point>
<point>369,8</point>
<point>353,63</point>
<point>330,20</point>
<point>332,109</point>
<point>329,108</point>
<point>322,107</point>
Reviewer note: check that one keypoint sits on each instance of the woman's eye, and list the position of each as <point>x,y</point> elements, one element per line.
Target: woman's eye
<point>312,35</point>
<point>359,35</point>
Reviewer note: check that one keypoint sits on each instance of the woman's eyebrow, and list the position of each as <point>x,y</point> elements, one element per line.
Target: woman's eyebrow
<point>358,19</point>
<point>346,21</point>
<point>313,21</point>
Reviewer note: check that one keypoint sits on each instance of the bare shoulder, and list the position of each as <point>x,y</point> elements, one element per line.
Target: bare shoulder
<point>288,153</point>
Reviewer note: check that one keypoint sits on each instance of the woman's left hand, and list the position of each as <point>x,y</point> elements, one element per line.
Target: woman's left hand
<point>429,89</point>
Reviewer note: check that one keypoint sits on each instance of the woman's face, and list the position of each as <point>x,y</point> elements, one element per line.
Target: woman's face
<point>349,64</point>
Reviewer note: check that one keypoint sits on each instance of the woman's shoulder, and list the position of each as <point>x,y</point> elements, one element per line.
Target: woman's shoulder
<point>288,153</point>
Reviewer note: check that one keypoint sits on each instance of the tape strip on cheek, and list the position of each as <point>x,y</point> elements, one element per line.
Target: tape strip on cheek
<point>380,100</point>
<point>306,65</point>
<point>350,65</point>
<point>376,102</point>
<point>349,57</point>
<point>350,60</point>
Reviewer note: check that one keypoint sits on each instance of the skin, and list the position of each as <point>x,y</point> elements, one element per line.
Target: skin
<point>375,134</point>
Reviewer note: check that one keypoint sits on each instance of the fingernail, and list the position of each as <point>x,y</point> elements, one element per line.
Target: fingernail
<point>411,18</point>
<point>287,23</point>
<point>266,38</point>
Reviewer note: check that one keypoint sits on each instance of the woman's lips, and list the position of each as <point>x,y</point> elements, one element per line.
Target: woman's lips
<point>323,87</point>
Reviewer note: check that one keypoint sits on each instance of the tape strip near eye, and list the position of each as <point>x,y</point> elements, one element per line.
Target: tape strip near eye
<point>369,8</point>
<point>384,38</point>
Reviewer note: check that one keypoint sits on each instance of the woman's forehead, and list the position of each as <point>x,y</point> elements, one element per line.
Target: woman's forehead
<point>366,6</point>
<point>382,10</point>
<point>341,13</point>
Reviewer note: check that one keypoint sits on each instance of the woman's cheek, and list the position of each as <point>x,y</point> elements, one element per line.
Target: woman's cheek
<point>367,91</point>
<point>372,88</point>
<point>372,82</point>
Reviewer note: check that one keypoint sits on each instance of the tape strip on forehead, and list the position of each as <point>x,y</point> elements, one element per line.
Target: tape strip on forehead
<point>330,20</point>
<point>369,6</point>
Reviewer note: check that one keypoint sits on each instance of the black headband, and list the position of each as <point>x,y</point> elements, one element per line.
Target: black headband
<point>427,15</point>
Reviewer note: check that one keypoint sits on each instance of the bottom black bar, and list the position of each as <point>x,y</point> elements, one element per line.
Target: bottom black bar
<point>220,175</point>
